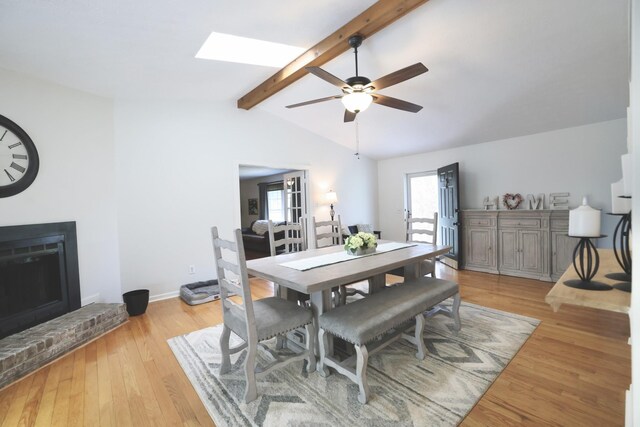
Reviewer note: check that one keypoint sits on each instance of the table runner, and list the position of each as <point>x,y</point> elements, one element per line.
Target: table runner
<point>342,256</point>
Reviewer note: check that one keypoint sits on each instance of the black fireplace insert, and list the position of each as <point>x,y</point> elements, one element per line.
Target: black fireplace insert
<point>39,277</point>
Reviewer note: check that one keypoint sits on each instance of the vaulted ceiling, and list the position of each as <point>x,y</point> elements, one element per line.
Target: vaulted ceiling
<point>497,68</point>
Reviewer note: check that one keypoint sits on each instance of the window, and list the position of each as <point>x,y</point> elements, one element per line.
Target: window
<point>275,202</point>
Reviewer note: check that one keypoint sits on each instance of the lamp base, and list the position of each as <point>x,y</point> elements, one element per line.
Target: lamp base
<point>624,286</point>
<point>623,277</point>
<point>588,285</point>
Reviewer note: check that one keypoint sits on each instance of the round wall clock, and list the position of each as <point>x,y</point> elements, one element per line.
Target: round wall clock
<point>19,160</point>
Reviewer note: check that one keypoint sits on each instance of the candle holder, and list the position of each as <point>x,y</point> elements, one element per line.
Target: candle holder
<point>586,262</point>
<point>622,251</point>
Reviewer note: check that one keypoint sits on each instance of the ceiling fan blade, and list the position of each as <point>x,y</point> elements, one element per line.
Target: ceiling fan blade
<point>349,116</point>
<point>328,77</point>
<point>399,76</point>
<point>399,104</point>
<point>314,101</point>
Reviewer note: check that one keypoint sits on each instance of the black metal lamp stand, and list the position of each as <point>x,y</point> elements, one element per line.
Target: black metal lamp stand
<point>586,262</point>
<point>622,251</point>
<point>331,212</point>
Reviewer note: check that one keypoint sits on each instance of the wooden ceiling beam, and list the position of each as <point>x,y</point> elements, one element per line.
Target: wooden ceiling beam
<point>369,22</point>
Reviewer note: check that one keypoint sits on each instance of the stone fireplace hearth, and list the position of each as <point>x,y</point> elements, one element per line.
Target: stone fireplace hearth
<point>40,314</point>
<point>39,277</point>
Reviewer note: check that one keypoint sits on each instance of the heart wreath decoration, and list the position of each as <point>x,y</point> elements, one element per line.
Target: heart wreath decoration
<point>511,201</point>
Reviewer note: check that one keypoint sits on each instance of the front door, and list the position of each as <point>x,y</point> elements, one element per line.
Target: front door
<point>448,209</point>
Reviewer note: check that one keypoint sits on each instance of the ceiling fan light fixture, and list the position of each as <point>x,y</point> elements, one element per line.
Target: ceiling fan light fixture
<point>357,102</point>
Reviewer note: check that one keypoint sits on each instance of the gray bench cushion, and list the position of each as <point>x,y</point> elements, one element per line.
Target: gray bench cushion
<point>362,321</point>
<point>273,315</point>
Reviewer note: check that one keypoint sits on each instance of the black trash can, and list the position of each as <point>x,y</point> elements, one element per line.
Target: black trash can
<point>136,301</point>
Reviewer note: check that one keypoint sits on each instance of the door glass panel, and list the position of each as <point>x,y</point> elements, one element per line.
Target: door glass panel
<point>422,199</point>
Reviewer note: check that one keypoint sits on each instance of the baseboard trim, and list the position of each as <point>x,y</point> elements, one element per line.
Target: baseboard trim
<point>167,295</point>
<point>90,299</point>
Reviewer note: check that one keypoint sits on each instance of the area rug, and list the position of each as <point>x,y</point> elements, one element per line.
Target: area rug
<point>404,391</point>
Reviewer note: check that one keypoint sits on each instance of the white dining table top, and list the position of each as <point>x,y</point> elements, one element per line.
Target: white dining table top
<point>343,273</point>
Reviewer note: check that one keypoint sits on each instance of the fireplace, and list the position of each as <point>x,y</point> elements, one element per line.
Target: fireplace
<point>39,277</point>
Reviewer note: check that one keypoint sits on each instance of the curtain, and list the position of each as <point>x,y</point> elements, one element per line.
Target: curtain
<point>262,200</point>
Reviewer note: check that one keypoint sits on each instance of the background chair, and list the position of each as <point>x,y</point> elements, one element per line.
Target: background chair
<point>332,236</point>
<point>275,316</point>
<point>327,233</point>
<point>293,239</point>
<point>422,230</point>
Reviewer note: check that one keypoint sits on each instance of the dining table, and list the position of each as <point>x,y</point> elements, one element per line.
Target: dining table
<point>308,271</point>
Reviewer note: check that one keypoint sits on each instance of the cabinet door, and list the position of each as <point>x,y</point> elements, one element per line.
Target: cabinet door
<point>479,247</point>
<point>562,247</point>
<point>508,253</point>
<point>530,250</point>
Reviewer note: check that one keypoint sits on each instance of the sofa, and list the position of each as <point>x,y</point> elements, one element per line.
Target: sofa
<point>354,229</point>
<point>256,236</point>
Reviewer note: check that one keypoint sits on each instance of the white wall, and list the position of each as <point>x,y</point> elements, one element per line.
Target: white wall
<point>582,160</point>
<point>73,132</point>
<point>177,175</point>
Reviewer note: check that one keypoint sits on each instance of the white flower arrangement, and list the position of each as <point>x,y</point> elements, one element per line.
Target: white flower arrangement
<point>361,241</point>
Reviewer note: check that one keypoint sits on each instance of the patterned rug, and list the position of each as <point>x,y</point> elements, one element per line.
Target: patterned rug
<point>405,391</point>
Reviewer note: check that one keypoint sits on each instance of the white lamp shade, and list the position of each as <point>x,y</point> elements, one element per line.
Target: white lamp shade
<point>331,197</point>
<point>619,205</point>
<point>584,221</point>
<point>627,174</point>
<point>357,102</point>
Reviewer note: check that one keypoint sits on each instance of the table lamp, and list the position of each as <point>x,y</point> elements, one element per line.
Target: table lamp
<point>332,198</point>
<point>584,223</point>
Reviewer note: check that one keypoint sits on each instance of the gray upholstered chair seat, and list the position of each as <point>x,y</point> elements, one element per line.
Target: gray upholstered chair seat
<point>273,316</point>
<point>362,321</point>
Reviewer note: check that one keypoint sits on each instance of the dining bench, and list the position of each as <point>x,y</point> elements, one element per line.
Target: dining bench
<point>372,323</point>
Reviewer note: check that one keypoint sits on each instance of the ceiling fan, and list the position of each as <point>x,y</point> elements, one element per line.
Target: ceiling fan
<point>359,92</point>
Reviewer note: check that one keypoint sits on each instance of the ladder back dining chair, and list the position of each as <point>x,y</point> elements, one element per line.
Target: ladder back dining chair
<point>334,234</point>
<point>255,321</point>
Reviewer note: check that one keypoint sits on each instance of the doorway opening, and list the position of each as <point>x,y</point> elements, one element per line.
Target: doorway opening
<point>422,198</point>
<point>268,193</point>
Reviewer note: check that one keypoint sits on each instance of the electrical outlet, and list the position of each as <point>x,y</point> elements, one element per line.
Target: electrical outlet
<point>192,269</point>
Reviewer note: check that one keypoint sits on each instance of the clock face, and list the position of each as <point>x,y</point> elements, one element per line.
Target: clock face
<point>18,159</point>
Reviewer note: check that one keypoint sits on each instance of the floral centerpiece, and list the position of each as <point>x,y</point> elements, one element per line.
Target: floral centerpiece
<point>361,244</point>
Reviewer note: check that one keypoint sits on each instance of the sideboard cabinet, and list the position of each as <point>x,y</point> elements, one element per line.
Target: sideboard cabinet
<point>524,243</point>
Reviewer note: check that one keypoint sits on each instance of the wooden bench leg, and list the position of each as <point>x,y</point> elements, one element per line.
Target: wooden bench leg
<point>323,342</point>
<point>419,337</point>
<point>455,311</point>
<point>362,358</point>
<point>311,348</point>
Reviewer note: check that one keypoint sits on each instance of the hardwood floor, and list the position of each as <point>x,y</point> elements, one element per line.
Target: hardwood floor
<point>573,371</point>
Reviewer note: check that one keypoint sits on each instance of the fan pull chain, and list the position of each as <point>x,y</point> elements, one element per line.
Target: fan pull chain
<point>357,154</point>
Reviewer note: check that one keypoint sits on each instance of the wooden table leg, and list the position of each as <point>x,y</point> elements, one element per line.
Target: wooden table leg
<point>412,271</point>
<point>320,303</point>
<point>377,283</point>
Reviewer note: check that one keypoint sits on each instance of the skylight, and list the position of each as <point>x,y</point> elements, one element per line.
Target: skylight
<point>226,47</point>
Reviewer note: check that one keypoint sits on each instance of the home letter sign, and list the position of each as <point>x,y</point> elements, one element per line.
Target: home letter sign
<point>558,201</point>
<point>490,203</point>
<point>535,203</point>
